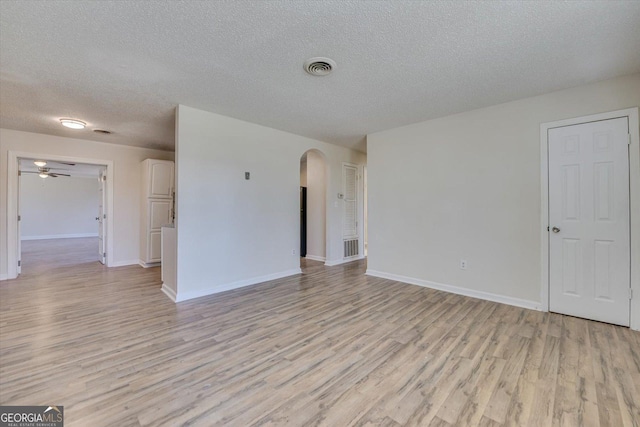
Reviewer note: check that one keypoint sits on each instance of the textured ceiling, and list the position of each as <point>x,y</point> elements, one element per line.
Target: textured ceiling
<point>125,65</point>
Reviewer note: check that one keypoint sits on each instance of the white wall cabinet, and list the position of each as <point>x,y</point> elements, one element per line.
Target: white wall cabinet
<point>157,205</point>
<point>159,177</point>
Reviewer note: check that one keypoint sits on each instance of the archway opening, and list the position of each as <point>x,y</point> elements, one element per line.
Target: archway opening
<point>313,209</point>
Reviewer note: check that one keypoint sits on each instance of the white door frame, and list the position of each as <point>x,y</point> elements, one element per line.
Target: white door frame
<point>102,224</point>
<point>634,201</point>
<point>12,202</point>
<point>365,212</point>
<point>327,204</point>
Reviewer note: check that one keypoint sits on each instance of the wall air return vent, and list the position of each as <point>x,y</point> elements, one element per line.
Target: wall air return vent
<point>350,248</point>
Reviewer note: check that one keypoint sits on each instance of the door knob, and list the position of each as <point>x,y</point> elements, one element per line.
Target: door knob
<point>555,229</point>
<point>97,218</point>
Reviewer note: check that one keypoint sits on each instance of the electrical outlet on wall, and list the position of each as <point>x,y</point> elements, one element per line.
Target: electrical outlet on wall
<point>463,264</point>
<point>293,251</point>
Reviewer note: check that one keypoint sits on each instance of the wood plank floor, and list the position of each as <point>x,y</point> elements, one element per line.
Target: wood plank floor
<point>328,347</point>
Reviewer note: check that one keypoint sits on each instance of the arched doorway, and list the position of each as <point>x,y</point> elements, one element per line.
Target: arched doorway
<point>313,209</point>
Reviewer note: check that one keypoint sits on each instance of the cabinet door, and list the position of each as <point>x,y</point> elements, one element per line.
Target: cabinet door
<point>159,214</point>
<point>155,246</point>
<point>160,179</point>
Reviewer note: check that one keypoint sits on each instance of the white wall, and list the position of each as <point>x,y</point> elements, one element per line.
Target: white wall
<point>316,205</point>
<point>127,179</point>
<point>58,207</point>
<point>468,186</point>
<point>232,232</point>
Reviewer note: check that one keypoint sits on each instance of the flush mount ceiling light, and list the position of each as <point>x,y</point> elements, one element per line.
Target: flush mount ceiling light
<point>73,124</point>
<point>40,163</point>
<point>43,175</point>
<point>319,66</point>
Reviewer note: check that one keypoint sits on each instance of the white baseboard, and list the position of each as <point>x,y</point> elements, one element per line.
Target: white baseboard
<point>343,261</point>
<point>169,292</point>
<point>123,263</point>
<point>183,296</point>
<point>315,258</point>
<point>532,305</point>
<point>149,264</point>
<point>59,236</point>
<point>4,277</point>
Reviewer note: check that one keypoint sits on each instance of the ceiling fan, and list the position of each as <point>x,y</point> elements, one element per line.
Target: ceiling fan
<point>43,163</point>
<point>46,172</point>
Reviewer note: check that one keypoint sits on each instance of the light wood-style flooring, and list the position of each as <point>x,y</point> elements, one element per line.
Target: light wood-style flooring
<point>329,347</point>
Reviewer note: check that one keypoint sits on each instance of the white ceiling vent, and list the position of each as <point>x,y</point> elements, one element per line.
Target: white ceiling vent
<point>319,66</point>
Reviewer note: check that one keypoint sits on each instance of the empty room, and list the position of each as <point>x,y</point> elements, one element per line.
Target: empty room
<point>336,213</point>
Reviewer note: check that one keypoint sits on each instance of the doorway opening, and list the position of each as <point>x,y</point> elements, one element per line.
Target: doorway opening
<point>313,207</point>
<point>59,212</point>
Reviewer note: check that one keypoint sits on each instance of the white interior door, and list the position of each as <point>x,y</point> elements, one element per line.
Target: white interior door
<point>102,250</point>
<point>19,270</point>
<point>350,211</point>
<point>589,238</point>
<point>365,212</point>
